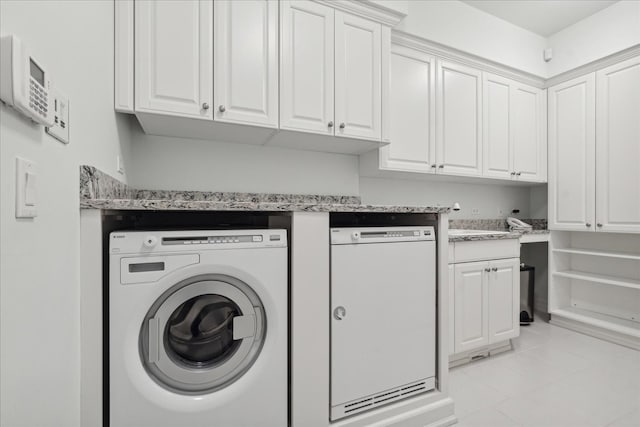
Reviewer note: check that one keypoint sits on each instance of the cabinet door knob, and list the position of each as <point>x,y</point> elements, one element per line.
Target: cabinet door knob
<point>487,270</point>
<point>441,166</point>
<point>339,313</point>
<point>434,165</point>
<point>599,224</point>
<point>588,224</point>
<point>205,106</point>
<point>513,173</point>
<point>222,108</point>
<point>494,268</point>
<point>330,124</point>
<point>518,173</point>
<point>342,125</point>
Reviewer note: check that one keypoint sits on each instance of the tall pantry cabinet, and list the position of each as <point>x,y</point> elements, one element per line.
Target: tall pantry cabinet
<point>594,203</point>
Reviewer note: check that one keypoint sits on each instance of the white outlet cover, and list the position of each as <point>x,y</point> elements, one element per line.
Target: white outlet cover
<point>60,128</point>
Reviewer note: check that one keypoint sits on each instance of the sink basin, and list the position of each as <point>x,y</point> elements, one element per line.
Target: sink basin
<point>459,232</point>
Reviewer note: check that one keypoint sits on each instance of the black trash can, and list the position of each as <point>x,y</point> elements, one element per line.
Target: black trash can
<point>527,277</point>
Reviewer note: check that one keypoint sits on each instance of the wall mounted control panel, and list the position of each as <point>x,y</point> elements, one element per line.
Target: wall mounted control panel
<point>24,82</point>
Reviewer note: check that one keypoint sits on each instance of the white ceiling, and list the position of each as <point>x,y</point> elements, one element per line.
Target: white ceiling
<point>544,17</point>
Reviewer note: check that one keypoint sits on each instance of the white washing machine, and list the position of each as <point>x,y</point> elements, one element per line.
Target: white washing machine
<point>198,328</point>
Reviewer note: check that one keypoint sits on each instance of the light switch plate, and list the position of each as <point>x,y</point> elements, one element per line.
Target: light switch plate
<point>26,189</point>
<point>60,128</point>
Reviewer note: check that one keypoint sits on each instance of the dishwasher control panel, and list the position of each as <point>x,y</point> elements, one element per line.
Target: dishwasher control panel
<point>350,236</point>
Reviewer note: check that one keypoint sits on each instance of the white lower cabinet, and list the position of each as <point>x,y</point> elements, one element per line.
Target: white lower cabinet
<point>484,299</point>
<point>471,306</point>
<point>504,300</point>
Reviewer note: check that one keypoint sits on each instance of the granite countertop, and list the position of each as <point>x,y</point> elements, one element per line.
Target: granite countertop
<point>101,191</point>
<point>498,225</point>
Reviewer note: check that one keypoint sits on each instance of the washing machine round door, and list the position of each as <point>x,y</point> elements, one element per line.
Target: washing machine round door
<point>202,334</point>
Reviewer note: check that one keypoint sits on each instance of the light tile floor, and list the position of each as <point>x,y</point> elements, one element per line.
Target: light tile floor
<point>554,377</point>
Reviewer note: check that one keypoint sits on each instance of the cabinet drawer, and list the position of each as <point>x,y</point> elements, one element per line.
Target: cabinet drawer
<point>485,250</point>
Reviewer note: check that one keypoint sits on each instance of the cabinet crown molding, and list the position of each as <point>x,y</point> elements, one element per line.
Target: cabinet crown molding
<point>367,9</point>
<point>441,51</point>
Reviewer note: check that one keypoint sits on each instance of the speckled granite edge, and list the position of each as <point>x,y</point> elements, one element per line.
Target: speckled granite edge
<point>494,224</point>
<point>101,191</point>
<point>95,184</point>
<point>479,237</point>
<point>231,197</point>
<point>168,205</point>
<point>511,235</point>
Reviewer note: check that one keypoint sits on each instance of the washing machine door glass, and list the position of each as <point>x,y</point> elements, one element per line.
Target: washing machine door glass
<point>202,334</point>
<point>200,330</point>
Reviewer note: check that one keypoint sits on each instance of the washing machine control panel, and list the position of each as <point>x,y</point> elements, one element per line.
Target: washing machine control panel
<point>197,240</point>
<point>170,241</point>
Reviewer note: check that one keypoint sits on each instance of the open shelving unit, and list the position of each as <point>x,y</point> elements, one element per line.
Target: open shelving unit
<point>594,284</point>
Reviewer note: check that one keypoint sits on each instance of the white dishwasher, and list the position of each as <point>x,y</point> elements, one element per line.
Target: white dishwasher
<point>383,320</point>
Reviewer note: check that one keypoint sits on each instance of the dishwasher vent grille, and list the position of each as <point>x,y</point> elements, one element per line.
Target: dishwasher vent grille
<point>384,398</point>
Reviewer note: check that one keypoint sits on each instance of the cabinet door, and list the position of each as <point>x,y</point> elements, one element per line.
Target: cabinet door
<point>497,127</point>
<point>618,148</point>
<point>452,310</point>
<point>459,129</point>
<point>412,111</point>
<point>174,57</point>
<point>306,66</point>
<point>358,89</point>
<point>246,62</point>
<point>471,306</point>
<point>572,154</point>
<point>529,138</point>
<point>504,300</point>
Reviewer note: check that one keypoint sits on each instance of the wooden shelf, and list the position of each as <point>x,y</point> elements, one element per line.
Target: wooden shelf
<point>599,253</point>
<point>599,278</point>
<point>623,326</point>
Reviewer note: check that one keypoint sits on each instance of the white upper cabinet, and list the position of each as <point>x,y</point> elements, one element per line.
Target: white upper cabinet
<point>514,130</point>
<point>174,57</point>
<point>618,147</point>
<point>529,137</point>
<point>245,77</point>
<point>412,109</point>
<point>572,154</point>
<point>306,67</point>
<point>459,119</point>
<point>358,86</point>
<point>498,127</point>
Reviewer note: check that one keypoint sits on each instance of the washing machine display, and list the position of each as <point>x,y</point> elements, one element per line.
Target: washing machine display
<point>198,331</point>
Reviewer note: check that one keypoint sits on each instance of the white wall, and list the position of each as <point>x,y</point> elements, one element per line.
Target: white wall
<point>609,31</point>
<point>39,258</point>
<point>189,164</point>
<point>538,202</point>
<point>487,198</point>
<point>468,29</point>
